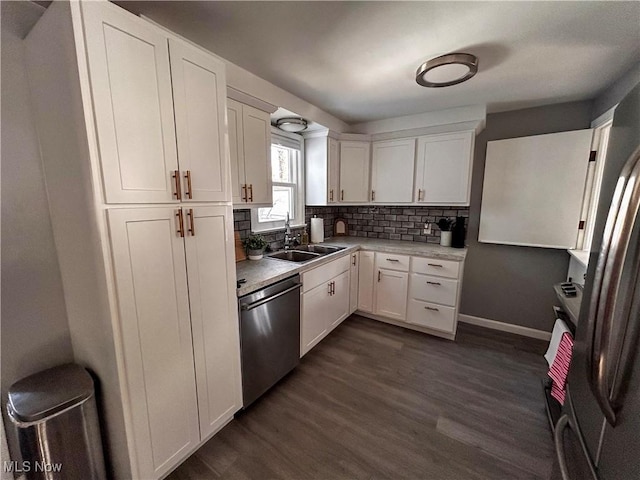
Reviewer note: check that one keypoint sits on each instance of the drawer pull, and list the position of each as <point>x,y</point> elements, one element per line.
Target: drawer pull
<point>434,265</point>
<point>379,272</point>
<point>354,260</point>
<point>392,260</point>
<point>432,308</point>
<point>434,283</point>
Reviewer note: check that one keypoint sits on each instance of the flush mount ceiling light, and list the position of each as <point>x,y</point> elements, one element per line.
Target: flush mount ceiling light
<point>447,70</point>
<point>292,124</point>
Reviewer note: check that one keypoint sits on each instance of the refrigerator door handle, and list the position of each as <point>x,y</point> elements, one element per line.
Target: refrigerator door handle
<point>627,307</point>
<point>558,440</point>
<point>601,358</point>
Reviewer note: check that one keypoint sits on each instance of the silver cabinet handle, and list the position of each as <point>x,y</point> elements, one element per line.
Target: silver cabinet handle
<point>432,308</point>
<point>392,260</point>
<point>251,306</point>
<point>434,283</point>
<point>434,265</point>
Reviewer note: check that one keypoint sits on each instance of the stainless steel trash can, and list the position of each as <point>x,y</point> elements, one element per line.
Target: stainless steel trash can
<point>55,415</point>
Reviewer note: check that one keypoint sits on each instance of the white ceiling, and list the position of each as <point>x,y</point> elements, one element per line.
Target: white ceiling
<point>357,60</point>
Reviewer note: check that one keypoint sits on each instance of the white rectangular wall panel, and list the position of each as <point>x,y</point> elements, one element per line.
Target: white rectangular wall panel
<point>533,189</point>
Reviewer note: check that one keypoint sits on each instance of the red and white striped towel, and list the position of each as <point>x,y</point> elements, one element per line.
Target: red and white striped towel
<point>560,367</point>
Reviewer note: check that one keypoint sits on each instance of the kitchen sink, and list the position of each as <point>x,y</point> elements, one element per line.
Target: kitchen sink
<point>294,256</point>
<point>304,253</point>
<point>321,249</point>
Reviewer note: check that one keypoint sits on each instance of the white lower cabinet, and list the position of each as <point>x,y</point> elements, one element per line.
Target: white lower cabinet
<point>431,315</point>
<point>325,304</point>
<point>391,294</point>
<point>353,282</point>
<point>366,281</point>
<point>434,298</point>
<point>179,327</point>
<point>422,293</point>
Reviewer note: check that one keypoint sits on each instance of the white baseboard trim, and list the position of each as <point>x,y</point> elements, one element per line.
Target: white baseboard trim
<point>505,327</point>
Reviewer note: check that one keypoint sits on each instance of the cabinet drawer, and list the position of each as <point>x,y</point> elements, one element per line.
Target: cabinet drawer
<point>433,289</point>
<point>324,273</point>
<point>432,266</point>
<point>431,315</point>
<point>391,261</point>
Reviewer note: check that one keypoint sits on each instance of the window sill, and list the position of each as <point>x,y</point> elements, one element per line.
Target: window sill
<point>582,256</point>
<point>277,229</point>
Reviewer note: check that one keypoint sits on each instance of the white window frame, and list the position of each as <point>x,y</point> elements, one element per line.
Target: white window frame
<point>602,128</point>
<point>296,142</point>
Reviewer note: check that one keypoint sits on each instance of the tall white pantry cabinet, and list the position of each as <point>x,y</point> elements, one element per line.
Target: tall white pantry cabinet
<point>132,129</point>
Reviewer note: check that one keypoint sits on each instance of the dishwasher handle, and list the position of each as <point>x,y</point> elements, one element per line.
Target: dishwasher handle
<point>251,306</point>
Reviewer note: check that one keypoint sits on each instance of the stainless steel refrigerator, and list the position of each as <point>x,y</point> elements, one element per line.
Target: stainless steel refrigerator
<point>598,435</point>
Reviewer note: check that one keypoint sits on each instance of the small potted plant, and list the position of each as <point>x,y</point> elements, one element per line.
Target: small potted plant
<point>255,245</point>
<point>445,225</point>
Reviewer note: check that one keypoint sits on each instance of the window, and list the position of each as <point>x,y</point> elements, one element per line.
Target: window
<point>286,174</point>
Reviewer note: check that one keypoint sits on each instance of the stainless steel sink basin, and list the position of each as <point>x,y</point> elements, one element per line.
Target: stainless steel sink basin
<point>295,256</point>
<point>304,253</point>
<point>321,249</point>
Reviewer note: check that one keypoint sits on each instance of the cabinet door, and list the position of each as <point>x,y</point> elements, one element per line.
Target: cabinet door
<point>214,314</point>
<point>333,167</point>
<point>314,322</point>
<point>338,304</point>
<point>353,282</point>
<point>391,294</point>
<point>131,89</point>
<point>354,171</point>
<point>256,126</point>
<point>443,172</point>
<point>236,150</point>
<point>431,315</point>
<point>199,95</point>
<point>392,171</point>
<point>365,281</point>
<point>151,284</point>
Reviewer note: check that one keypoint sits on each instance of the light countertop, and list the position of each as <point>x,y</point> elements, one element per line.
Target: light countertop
<point>260,273</point>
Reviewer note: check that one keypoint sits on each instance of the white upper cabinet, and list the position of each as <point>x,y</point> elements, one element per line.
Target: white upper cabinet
<point>147,90</point>
<point>392,171</point>
<point>257,155</point>
<point>131,88</point>
<point>250,149</point>
<point>322,170</point>
<point>199,92</point>
<point>354,171</point>
<point>333,160</point>
<point>443,169</point>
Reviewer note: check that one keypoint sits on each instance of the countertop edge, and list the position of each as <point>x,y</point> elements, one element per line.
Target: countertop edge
<point>419,250</point>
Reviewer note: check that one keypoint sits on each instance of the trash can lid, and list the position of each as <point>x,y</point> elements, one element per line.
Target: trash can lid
<point>48,392</point>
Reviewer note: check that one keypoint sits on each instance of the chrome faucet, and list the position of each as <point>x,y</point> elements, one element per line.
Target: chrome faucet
<point>287,233</point>
<point>288,238</point>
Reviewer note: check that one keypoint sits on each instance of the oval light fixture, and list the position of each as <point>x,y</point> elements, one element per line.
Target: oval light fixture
<point>447,70</point>
<point>292,124</point>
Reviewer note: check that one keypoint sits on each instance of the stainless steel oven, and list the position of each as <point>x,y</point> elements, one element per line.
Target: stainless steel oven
<point>269,336</point>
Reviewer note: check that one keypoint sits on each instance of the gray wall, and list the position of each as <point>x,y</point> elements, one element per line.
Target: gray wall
<point>615,92</point>
<point>508,283</point>
<point>35,333</point>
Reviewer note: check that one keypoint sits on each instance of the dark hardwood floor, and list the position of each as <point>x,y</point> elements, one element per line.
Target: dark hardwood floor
<point>377,401</point>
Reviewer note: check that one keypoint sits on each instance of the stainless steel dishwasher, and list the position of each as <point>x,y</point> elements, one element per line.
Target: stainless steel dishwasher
<point>269,336</point>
